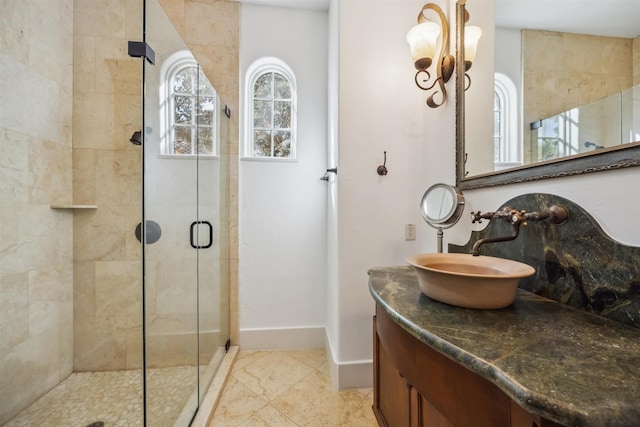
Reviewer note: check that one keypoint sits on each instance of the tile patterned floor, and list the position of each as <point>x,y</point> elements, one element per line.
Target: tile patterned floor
<point>289,388</point>
<point>279,388</point>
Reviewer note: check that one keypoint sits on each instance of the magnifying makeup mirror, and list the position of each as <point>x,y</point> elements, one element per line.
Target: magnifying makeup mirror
<point>441,208</point>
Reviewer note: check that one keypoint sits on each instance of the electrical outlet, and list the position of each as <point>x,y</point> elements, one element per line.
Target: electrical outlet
<point>410,232</point>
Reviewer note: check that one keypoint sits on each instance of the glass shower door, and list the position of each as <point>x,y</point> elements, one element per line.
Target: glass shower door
<point>186,324</point>
<point>213,235</point>
<point>170,199</point>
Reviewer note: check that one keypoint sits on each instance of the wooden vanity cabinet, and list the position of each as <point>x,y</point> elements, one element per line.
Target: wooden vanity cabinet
<point>416,386</point>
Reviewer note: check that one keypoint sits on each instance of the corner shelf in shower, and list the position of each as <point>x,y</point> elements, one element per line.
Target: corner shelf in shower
<point>74,207</point>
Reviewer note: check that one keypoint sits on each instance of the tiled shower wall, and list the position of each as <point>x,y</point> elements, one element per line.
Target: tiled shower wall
<point>36,282</point>
<point>58,267</point>
<point>106,173</point>
<point>107,97</point>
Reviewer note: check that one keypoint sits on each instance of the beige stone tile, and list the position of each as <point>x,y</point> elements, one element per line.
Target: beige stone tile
<point>65,359</point>
<point>213,24</point>
<point>313,357</point>
<point>270,374</point>
<point>237,404</point>
<point>268,417</point>
<point>100,17</point>
<point>121,169</point>
<point>53,284</point>
<point>133,28</point>
<point>50,173</point>
<point>93,120</point>
<point>38,119</point>
<point>174,10</point>
<point>50,41</point>
<point>134,340</point>
<point>30,238</point>
<point>84,63</point>
<point>99,343</point>
<point>118,288</point>
<point>363,415</point>
<point>14,34</point>
<point>312,402</point>
<point>65,137</point>
<point>100,234</point>
<point>28,372</point>
<point>14,167</point>
<point>14,310</point>
<point>84,302</point>
<point>233,300</point>
<point>50,298</point>
<point>116,72</point>
<point>220,64</point>
<point>84,176</point>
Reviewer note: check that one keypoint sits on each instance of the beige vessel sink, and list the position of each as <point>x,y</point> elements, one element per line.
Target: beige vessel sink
<point>469,281</point>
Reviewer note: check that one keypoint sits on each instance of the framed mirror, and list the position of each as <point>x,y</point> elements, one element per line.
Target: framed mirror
<point>574,97</point>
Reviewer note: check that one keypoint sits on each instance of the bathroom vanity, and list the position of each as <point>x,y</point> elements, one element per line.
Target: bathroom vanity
<point>537,362</point>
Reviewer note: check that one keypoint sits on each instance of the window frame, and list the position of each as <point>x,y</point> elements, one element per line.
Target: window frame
<point>175,63</point>
<point>511,148</point>
<point>256,70</point>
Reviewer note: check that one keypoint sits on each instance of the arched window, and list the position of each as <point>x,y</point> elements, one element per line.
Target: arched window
<point>506,142</point>
<point>270,105</point>
<point>188,108</point>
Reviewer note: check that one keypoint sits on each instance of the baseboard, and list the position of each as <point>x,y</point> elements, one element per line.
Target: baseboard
<point>352,374</point>
<point>281,338</point>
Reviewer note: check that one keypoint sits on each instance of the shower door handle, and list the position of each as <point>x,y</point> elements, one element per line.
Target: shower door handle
<point>192,236</point>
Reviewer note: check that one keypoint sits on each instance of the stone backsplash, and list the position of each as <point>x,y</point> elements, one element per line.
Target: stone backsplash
<point>576,262</point>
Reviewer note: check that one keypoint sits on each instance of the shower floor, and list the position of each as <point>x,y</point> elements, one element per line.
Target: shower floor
<point>113,397</point>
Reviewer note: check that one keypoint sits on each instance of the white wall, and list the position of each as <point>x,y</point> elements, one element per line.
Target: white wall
<point>332,315</point>
<point>282,271</point>
<point>381,109</point>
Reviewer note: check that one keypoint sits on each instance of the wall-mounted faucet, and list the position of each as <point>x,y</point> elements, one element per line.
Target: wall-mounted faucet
<point>556,214</point>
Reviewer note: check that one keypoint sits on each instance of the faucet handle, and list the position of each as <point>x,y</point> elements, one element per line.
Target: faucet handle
<point>518,217</point>
<point>476,217</point>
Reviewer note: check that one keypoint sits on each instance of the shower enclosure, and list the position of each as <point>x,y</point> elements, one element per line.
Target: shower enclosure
<point>113,218</point>
<point>184,192</point>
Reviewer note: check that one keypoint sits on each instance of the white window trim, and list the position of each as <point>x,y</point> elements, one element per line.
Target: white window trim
<point>506,91</point>
<point>256,69</point>
<point>170,66</point>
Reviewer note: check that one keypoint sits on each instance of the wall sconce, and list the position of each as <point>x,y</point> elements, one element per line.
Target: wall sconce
<point>423,38</point>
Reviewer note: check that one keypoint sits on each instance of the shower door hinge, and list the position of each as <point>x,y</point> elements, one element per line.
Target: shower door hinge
<point>227,346</point>
<point>141,50</point>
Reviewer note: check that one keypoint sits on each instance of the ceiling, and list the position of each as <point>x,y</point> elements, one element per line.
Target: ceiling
<point>296,4</point>
<point>614,18</point>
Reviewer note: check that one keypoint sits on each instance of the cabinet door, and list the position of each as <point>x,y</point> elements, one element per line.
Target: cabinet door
<point>391,400</point>
<point>462,396</point>
<point>427,415</point>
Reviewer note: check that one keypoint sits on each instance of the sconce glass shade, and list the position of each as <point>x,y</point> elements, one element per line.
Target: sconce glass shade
<point>422,40</point>
<point>471,36</point>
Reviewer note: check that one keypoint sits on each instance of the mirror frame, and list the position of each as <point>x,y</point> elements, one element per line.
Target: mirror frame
<point>452,216</point>
<point>603,160</point>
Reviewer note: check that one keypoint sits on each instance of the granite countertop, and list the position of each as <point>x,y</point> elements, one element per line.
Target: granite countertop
<point>567,365</point>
